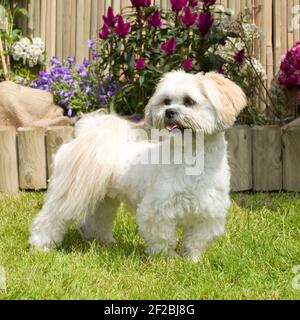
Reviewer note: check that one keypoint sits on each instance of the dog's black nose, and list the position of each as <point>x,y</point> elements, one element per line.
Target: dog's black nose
<point>171,113</point>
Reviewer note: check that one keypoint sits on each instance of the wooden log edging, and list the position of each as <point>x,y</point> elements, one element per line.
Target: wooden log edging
<point>267,158</point>
<point>9,181</point>
<point>240,157</point>
<point>291,159</point>
<point>262,159</point>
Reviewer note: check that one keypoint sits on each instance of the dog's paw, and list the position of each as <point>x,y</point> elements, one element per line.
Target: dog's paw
<point>189,255</point>
<point>40,244</point>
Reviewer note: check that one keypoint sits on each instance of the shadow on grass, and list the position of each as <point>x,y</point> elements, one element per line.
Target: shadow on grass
<point>125,248</point>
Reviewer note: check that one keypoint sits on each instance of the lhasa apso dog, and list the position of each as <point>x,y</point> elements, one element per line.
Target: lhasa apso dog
<point>98,170</point>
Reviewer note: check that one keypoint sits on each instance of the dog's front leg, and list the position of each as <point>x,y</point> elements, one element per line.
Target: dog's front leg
<point>158,231</point>
<point>198,236</point>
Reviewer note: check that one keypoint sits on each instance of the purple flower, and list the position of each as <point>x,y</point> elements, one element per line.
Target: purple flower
<point>170,46</point>
<point>71,60</point>
<point>205,22</point>
<point>88,90</point>
<point>104,32</point>
<point>141,3</point>
<point>70,113</point>
<point>136,118</point>
<point>94,54</point>
<point>110,19</point>
<point>189,17</point>
<point>178,5</point>
<point>239,57</point>
<point>54,61</point>
<point>86,63</point>
<point>188,64</point>
<point>140,63</point>
<point>102,99</point>
<point>155,20</point>
<point>91,43</point>
<point>122,29</point>
<point>82,71</point>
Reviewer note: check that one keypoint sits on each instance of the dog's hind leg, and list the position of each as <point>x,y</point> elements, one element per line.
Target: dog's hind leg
<point>99,224</point>
<point>48,229</point>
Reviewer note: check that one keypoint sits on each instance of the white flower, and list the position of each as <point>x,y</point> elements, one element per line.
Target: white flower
<point>27,51</point>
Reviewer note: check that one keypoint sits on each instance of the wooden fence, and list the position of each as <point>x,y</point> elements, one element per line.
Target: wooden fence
<point>265,158</point>
<point>66,25</point>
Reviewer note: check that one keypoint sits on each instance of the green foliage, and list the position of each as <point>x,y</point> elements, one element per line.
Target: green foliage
<point>19,71</point>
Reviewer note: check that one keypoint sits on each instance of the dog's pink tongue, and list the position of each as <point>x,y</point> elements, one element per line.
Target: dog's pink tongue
<point>171,127</point>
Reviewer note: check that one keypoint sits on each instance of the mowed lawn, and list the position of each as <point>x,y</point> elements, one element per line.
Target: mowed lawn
<point>254,260</point>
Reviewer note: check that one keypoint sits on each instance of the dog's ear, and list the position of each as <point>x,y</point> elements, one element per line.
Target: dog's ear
<point>227,98</point>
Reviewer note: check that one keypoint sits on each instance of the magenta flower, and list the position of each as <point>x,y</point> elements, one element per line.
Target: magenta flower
<point>141,3</point>
<point>290,68</point>
<point>208,3</point>
<point>170,46</point>
<point>194,3</point>
<point>189,17</point>
<point>122,29</point>
<point>110,19</point>
<point>104,32</point>
<point>178,5</point>
<point>188,64</point>
<point>140,63</point>
<point>205,22</point>
<point>221,70</point>
<point>239,57</point>
<point>155,20</point>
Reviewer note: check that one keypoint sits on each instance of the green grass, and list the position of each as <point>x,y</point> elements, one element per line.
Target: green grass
<point>252,261</point>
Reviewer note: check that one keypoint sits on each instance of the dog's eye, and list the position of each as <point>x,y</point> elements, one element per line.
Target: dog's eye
<point>188,102</point>
<point>167,102</point>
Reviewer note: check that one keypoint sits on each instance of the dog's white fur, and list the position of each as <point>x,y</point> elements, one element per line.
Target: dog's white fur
<point>94,173</point>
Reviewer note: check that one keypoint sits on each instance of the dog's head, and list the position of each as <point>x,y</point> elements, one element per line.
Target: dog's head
<point>205,102</point>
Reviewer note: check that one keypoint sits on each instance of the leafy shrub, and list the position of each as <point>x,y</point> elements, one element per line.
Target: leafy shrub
<point>134,49</point>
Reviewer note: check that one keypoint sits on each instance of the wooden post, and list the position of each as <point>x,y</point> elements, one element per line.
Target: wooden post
<point>267,158</point>
<point>32,158</point>
<point>9,182</point>
<point>240,157</point>
<point>291,159</point>
<point>55,137</point>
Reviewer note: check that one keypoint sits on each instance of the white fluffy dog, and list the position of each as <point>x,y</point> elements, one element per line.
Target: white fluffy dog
<point>97,171</point>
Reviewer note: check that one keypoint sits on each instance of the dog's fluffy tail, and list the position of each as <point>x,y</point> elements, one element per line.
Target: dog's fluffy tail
<point>86,169</point>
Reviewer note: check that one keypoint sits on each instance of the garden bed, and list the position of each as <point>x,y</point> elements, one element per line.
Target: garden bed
<point>264,158</point>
